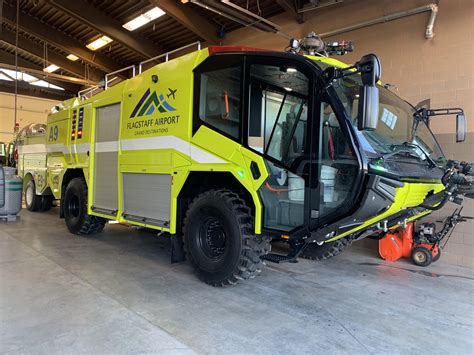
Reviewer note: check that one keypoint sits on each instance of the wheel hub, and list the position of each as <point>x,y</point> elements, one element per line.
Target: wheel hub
<point>213,238</point>
<point>29,195</point>
<point>73,207</point>
<point>420,257</point>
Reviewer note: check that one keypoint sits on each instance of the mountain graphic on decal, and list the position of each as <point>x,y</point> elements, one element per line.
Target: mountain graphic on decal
<point>151,102</point>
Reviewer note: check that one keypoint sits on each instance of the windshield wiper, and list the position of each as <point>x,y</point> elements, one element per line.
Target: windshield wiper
<point>407,147</point>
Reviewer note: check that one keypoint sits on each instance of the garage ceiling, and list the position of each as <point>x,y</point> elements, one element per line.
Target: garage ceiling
<point>50,30</point>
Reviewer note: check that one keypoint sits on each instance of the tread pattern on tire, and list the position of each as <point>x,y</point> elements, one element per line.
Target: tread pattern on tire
<point>91,224</point>
<point>250,263</point>
<point>327,250</point>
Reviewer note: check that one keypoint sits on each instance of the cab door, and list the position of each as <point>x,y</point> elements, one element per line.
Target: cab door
<point>279,126</point>
<point>336,168</point>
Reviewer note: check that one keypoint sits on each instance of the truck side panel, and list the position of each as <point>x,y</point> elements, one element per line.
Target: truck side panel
<point>32,162</point>
<point>68,143</point>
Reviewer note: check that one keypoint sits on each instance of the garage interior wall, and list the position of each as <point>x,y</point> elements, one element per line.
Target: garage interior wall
<point>440,69</point>
<point>30,110</point>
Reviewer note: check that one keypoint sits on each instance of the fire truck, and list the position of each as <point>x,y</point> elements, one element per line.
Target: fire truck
<point>228,148</point>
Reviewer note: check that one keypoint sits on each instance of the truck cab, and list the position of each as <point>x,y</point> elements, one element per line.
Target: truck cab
<point>326,178</point>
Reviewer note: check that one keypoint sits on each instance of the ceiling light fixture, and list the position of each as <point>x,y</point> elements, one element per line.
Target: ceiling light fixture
<point>51,68</point>
<point>143,19</point>
<point>99,43</point>
<point>72,57</point>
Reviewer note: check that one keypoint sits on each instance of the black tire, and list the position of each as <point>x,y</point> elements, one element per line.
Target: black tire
<point>46,202</point>
<point>421,256</point>
<point>219,239</point>
<point>75,210</point>
<point>326,251</point>
<point>436,258</point>
<point>32,200</point>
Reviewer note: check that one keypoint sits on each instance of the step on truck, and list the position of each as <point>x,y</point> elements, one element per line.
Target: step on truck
<point>227,149</point>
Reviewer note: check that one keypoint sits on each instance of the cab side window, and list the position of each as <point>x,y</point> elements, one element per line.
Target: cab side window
<point>220,99</point>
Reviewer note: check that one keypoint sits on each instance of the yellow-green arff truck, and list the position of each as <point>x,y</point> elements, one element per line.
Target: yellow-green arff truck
<point>228,148</point>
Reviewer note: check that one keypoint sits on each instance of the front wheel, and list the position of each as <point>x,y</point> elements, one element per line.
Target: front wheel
<point>219,239</point>
<point>75,210</point>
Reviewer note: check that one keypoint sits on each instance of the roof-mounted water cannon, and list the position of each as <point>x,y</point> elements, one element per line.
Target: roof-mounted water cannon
<point>312,44</point>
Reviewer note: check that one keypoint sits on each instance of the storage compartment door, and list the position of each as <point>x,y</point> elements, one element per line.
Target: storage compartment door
<point>147,198</point>
<point>105,178</point>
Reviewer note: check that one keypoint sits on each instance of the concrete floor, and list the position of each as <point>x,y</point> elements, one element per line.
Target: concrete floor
<point>117,292</point>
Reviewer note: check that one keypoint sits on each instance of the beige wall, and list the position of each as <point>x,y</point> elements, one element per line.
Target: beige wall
<point>441,69</point>
<point>29,110</point>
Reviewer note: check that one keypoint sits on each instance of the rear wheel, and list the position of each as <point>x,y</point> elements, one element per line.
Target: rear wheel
<point>32,201</point>
<point>219,239</point>
<point>326,251</point>
<point>46,203</point>
<point>75,210</point>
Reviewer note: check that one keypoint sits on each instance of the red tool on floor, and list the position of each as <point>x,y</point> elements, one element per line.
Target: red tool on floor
<point>424,245</point>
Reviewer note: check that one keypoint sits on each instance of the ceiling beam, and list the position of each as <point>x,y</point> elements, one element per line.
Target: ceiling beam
<point>59,39</point>
<point>289,7</point>
<point>98,20</point>
<point>190,19</point>
<point>9,58</point>
<point>37,50</point>
<point>24,88</point>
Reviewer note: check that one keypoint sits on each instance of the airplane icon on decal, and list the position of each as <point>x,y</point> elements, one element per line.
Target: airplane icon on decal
<point>172,93</point>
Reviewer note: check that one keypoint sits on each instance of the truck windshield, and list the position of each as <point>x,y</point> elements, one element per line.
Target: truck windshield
<point>395,133</point>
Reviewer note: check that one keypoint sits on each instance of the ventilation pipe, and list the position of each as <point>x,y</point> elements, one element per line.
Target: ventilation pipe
<point>228,9</point>
<point>429,34</point>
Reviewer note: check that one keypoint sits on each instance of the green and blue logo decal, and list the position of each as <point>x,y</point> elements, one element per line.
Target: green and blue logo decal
<point>151,102</point>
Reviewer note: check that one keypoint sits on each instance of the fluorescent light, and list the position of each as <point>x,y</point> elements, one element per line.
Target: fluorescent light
<point>51,68</point>
<point>143,19</point>
<point>288,89</point>
<point>99,43</point>
<point>136,23</point>
<point>291,70</point>
<point>154,13</point>
<point>72,57</point>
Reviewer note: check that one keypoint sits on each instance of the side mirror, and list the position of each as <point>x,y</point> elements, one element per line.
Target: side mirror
<point>368,109</point>
<point>460,128</point>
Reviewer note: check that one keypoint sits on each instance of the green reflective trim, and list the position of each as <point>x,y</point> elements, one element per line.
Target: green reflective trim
<point>14,183</point>
<point>13,189</point>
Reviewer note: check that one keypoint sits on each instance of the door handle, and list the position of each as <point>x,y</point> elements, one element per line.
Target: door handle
<point>255,170</point>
